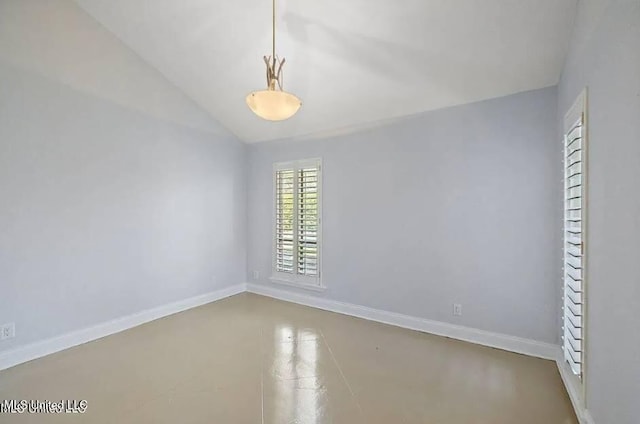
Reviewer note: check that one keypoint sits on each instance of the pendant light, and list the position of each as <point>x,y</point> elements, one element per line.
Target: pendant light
<point>273,104</point>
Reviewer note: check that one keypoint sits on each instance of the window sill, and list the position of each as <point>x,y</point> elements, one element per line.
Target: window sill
<point>311,287</point>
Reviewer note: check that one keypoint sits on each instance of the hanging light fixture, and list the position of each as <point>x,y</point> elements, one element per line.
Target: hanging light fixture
<point>273,104</point>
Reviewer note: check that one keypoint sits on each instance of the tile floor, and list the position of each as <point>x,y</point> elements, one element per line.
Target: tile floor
<point>251,359</point>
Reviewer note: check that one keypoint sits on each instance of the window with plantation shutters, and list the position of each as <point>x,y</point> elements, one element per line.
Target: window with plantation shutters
<point>297,223</point>
<point>574,236</point>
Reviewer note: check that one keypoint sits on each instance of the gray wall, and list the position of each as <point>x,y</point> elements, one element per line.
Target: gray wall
<point>106,207</point>
<point>605,57</point>
<point>458,205</point>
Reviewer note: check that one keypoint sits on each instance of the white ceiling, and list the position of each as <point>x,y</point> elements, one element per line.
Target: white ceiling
<point>351,62</point>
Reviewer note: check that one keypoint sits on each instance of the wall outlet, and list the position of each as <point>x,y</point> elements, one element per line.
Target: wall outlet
<point>256,275</point>
<point>7,331</point>
<point>457,309</point>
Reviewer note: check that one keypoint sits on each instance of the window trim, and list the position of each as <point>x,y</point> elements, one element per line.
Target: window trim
<point>296,280</point>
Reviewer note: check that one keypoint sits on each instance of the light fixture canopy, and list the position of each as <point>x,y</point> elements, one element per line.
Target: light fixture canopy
<point>273,104</point>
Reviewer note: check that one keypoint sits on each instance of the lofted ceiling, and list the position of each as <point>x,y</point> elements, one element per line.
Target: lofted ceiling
<point>353,62</point>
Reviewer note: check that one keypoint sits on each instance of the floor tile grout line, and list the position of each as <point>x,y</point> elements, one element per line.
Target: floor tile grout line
<point>335,361</point>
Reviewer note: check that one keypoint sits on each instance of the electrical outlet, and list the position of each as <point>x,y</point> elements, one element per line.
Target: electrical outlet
<point>256,275</point>
<point>8,331</point>
<point>457,309</point>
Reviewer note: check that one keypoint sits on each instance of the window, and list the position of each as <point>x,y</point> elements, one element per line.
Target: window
<point>574,235</point>
<point>297,221</point>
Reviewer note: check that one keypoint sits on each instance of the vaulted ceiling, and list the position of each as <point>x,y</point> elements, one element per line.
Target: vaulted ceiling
<point>352,62</point>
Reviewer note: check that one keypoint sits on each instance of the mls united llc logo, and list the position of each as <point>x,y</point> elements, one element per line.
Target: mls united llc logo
<point>65,406</point>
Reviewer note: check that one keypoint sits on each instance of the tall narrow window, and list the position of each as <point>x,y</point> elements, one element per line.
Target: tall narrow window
<point>296,252</point>
<point>574,235</point>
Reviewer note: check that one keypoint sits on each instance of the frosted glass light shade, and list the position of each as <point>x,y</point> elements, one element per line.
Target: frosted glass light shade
<point>273,105</point>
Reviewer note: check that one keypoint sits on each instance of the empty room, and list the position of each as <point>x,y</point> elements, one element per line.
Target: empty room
<point>320,212</point>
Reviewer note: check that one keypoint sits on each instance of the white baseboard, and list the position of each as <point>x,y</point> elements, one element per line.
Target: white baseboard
<point>46,347</point>
<point>481,337</point>
<point>588,419</point>
<point>574,390</point>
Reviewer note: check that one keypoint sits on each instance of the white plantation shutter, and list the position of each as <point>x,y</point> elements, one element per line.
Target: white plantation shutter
<point>574,252</point>
<point>285,207</point>
<point>308,184</point>
<point>297,222</point>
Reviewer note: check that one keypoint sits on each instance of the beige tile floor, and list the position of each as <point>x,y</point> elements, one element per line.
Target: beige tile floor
<point>251,359</point>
